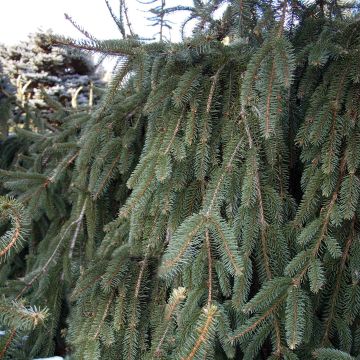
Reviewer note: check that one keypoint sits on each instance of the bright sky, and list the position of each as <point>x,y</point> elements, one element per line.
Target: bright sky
<point>21,17</point>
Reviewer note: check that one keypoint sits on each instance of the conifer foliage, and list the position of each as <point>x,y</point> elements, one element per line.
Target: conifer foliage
<point>208,207</point>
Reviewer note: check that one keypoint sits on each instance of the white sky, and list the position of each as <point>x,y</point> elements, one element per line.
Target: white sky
<point>21,17</point>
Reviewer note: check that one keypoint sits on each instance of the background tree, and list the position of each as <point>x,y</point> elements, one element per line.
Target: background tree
<point>35,66</point>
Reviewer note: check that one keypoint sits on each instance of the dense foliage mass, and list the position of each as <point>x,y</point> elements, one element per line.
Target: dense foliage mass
<point>207,208</point>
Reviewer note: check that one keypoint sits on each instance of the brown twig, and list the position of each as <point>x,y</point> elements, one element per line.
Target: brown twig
<point>8,343</point>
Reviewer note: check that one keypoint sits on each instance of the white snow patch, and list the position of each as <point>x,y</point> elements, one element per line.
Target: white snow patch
<point>51,358</point>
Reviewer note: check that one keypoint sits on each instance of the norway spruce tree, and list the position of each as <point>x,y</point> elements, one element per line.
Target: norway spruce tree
<point>208,207</point>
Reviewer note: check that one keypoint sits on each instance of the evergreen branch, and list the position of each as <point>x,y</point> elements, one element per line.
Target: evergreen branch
<point>215,80</point>
<point>295,322</point>
<point>50,259</point>
<point>19,316</point>
<point>14,238</point>
<point>298,279</point>
<point>78,292</point>
<point>187,86</point>
<point>140,277</point>
<point>282,19</point>
<point>333,354</point>
<point>330,207</point>
<point>154,229</point>
<point>251,74</point>
<point>128,23</point>
<point>209,256</point>
<point>263,223</point>
<point>177,128</point>
<point>8,343</point>
<point>27,134</point>
<point>119,314</point>
<point>256,343</point>
<point>227,169</point>
<point>285,52</point>
<point>209,315</point>
<point>178,8</point>
<point>5,174</point>
<point>117,21</point>
<point>12,210</point>
<point>125,48</point>
<point>268,293</point>
<point>106,312</point>
<point>177,297</point>
<point>79,28</point>
<point>42,271</point>
<point>215,193</point>
<point>106,178</point>
<point>340,273</point>
<point>136,197</point>
<point>115,84</point>
<point>37,193</point>
<point>183,25</point>
<point>131,336</point>
<point>117,266</point>
<point>77,229</point>
<point>228,244</point>
<point>349,195</point>
<point>65,163</point>
<point>278,339</point>
<point>259,320</point>
<point>180,243</point>
<point>50,127</point>
<point>268,100</point>
<point>331,152</point>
